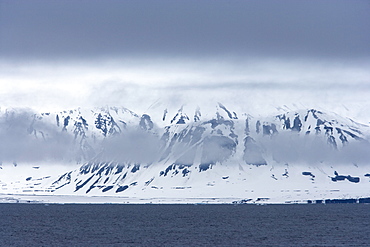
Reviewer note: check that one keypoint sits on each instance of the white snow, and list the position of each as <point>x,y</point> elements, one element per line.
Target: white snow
<point>226,180</point>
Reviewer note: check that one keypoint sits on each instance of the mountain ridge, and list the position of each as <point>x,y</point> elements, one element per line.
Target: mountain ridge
<point>116,151</point>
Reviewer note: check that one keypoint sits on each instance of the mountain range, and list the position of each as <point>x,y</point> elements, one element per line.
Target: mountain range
<point>113,154</point>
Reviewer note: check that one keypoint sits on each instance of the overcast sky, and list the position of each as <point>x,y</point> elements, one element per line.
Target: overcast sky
<point>262,54</point>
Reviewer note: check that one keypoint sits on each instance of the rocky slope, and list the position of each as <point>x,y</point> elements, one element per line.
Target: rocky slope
<point>218,156</point>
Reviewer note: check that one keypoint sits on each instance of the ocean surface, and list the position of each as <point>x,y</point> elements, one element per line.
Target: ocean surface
<point>184,225</point>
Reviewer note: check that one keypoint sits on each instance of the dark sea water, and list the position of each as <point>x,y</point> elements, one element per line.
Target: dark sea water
<point>184,225</point>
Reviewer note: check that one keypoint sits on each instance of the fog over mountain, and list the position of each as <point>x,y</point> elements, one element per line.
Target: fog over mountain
<point>18,142</point>
<point>120,135</point>
<point>188,155</point>
<point>150,98</point>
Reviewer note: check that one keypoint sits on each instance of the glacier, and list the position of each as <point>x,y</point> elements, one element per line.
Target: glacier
<point>184,155</point>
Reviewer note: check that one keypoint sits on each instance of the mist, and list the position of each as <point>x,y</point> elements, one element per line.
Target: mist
<point>257,85</point>
<point>24,137</point>
<point>149,56</point>
<point>132,146</point>
<point>20,140</point>
<point>293,148</point>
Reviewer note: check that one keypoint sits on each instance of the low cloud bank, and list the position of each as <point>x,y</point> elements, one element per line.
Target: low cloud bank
<point>133,145</point>
<point>23,138</point>
<point>293,148</point>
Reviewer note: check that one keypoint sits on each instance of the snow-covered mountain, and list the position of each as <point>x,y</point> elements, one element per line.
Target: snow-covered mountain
<point>113,154</point>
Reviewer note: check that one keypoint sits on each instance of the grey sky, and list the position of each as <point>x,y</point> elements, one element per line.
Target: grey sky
<point>255,54</point>
<point>93,29</point>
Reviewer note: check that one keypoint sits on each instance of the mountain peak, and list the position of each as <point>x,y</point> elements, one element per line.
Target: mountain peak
<point>119,152</point>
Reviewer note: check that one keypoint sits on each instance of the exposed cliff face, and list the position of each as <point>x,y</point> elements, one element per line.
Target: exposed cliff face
<point>120,151</point>
<point>116,134</point>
